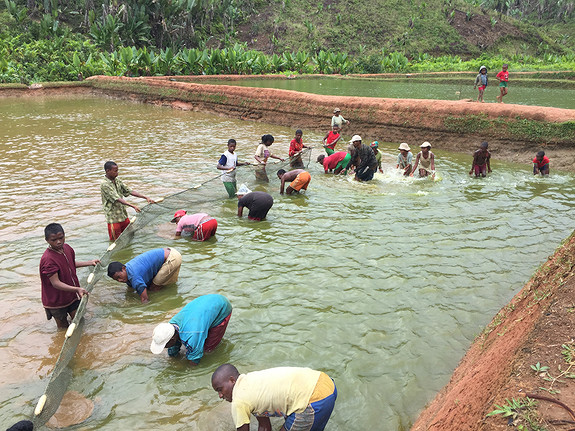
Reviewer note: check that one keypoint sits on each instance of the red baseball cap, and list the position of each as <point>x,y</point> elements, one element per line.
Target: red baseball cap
<point>179,213</point>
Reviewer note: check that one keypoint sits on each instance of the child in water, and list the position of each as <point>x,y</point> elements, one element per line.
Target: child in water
<point>481,82</point>
<point>541,164</point>
<point>425,159</point>
<point>330,139</point>
<point>503,78</point>
<point>481,159</point>
<point>404,159</point>
<point>262,155</point>
<point>296,146</point>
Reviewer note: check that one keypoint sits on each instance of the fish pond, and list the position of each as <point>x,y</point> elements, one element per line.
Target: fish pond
<point>383,285</point>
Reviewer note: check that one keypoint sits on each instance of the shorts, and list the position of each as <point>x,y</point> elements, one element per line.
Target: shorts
<point>301,181</point>
<point>116,229</point>
<point>205,230</point>
<point>480,169</point>
<point>62,313</point>
<point>503,84</point>
<point>231,188</point>
<point>544,168</point>
<point>482,87</point>
<point>216,334</point>
<point>170,270</point>
<point>343,163</point>
<point>314,417</point>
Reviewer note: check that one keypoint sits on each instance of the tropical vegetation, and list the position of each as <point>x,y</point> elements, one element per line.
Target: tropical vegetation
<point>51,40</point>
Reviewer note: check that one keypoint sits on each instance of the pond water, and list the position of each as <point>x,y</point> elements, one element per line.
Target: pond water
<point>382,285</point>
<point>404,89</point>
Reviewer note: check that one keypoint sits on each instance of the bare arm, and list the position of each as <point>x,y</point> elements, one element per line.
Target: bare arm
<point>144,296</point>
<point>87,263</point>
<point>262,161</point>
<point>432,162</point>
<point>416,163</point>
<point>282,185</point>
<point>264,423</point>
<point>60,285</point>
<point>139,195</point>
<point>128,204</point>
<point>240,211</point>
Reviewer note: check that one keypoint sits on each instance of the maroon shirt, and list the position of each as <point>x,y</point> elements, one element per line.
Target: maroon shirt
<point>64,264</point>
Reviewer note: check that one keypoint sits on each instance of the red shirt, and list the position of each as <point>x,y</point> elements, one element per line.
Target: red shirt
<point>331,137</point>
<point>541,163</point>
<point>295,147</point>
<point>332,161</point>
<point>503,76</point>
<point>63,264</point>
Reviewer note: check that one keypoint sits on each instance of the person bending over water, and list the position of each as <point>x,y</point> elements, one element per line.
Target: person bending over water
<point>541,164</point>
<point>259,203</point>
<point>299,178</point>
<point>304,397</point>
<point>404,159</point>
<point>150,270</point>
<point>199,326</point>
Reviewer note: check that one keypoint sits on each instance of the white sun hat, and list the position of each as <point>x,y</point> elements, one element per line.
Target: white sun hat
<point>404,146</point>
<point>162,334</point>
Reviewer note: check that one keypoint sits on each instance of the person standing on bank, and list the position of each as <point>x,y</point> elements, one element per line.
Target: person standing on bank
<point>337,119</point>
<point>113,191</point>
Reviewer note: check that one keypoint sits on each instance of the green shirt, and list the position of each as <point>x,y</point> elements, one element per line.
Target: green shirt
<point>112,191</point>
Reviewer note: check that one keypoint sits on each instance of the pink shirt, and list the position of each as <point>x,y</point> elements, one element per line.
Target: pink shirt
<point>188,220</point>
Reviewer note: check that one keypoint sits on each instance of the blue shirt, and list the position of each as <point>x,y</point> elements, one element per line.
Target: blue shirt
<point>143,268</point>
<point>195,320</point>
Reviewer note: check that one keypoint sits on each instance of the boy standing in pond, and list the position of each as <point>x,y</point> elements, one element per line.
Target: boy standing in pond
<point>503,78</point>
<point>481,161</point>
<point>541,164</point>
<point>228,162</point>
<point>330,139</point>
<point>404,159</point>
<point>113,191</point>
<point>61,291</point>
<point>481,82</point>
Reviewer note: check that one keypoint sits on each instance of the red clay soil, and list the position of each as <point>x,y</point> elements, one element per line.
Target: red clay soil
<point>530,329</point>
<point>448,125</point>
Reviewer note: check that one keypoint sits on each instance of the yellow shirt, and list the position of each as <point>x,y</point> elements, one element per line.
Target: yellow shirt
<point>273,392</point>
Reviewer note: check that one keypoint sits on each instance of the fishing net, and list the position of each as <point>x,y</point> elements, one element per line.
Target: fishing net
<point>210,190</point>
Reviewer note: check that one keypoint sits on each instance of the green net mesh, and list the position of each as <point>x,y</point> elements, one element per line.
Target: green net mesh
<point>209,190</point>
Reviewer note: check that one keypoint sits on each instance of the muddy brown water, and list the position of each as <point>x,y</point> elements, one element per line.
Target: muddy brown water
<point>382,285</point>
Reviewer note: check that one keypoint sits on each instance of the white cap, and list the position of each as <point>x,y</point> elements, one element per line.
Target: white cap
<point>243,190</point>
<point>162,334</point>
<point>425,144</point>
<point>404,146</point>
<point>355,138</point>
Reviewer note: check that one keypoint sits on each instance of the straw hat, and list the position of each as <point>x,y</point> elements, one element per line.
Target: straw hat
<point>425,144</point>
<point>404,146</point>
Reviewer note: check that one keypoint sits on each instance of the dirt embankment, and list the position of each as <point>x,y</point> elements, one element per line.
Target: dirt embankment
<point>515,132</point>
<point>530,329</point>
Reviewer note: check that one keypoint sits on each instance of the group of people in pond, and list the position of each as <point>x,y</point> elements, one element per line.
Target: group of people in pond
<point>304,397</point>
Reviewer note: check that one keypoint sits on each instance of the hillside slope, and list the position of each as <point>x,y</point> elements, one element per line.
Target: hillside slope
<point>435,27</point>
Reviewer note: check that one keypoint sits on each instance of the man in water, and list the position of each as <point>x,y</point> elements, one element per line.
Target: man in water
<point>150,270</point>
<point>199,326</point>
<point>299,178</point>
<point>259,203</point>
<point>304,397</point>
<point>363,159</point>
